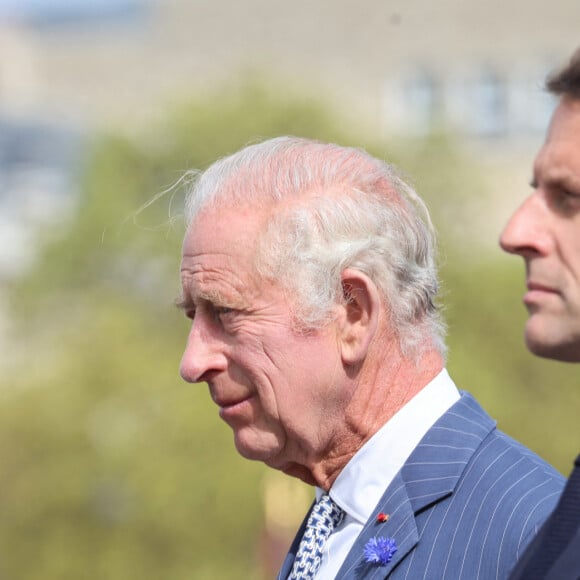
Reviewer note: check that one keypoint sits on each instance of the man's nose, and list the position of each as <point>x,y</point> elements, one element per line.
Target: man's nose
<point>203,353</point>
<point>526,233</point>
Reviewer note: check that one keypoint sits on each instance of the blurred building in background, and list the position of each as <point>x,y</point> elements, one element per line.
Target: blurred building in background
<point>41,134</point>
<point>403,67</point>
<point>403,70</point>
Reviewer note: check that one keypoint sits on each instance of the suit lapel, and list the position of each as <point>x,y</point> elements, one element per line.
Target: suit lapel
<point>429,475</point>
<point>400,526</point>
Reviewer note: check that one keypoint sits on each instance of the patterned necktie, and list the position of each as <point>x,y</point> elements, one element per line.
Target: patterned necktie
<point>325,516</point>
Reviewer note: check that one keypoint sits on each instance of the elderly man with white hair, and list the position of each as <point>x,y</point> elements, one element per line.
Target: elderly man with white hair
<point>309,275</point>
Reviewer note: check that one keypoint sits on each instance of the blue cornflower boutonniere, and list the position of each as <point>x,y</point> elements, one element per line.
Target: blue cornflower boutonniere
<point>380,550</point>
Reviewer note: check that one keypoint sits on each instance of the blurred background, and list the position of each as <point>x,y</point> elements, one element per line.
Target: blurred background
<point>111,468</point>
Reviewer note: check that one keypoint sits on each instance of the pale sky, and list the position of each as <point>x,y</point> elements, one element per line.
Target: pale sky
<point>53,9</point>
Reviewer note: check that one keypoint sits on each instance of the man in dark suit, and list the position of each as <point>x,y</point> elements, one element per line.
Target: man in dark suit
<point>545,231</point>
<point>309,275</point>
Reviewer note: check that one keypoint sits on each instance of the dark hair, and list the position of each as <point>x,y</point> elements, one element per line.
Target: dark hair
<point>566,81</point>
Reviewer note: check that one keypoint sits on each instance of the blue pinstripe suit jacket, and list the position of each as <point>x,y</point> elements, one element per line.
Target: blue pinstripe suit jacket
<point>463,507</point>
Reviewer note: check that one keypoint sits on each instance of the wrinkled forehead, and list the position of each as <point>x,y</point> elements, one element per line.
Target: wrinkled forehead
<point>220,261</point>
<point>224,230</point>
<point>245,188</point>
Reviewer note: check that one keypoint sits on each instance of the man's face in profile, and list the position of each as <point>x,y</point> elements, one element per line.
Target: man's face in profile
<point>545,231</point>
<point>276,387</point>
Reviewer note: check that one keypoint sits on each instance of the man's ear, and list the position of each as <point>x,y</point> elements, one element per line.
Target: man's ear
<point>360,320</point>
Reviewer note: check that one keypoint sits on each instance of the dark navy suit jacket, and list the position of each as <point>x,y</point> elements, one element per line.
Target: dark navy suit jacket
<point>463,507</point>
<point>554,554</point>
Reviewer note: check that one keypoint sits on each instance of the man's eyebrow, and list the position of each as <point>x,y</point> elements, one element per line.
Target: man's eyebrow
<point>213,297</point>
<point>183,303</point>
<point>557,176</point>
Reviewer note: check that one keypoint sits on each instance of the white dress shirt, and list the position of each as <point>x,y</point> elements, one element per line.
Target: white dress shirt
<point>365,478</point>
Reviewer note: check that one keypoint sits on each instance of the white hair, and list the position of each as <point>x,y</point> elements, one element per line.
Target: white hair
<point>334,208</point>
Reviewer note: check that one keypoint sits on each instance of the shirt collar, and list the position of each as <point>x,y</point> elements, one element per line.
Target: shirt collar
<point>360,485</point>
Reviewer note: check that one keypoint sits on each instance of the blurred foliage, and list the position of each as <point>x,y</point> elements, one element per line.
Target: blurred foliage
<point>110,467</point>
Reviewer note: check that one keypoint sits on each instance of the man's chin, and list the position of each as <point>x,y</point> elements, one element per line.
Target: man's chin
<point>256,446</point>
<point>552,348</point>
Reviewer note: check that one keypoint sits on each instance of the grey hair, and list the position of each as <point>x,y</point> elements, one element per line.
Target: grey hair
<point>334,208</point>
